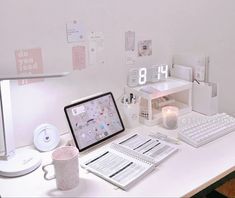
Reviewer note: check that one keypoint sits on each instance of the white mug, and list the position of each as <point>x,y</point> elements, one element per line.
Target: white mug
<point>65,162</point>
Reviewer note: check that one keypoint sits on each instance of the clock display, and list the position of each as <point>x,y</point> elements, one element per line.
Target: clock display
<point>140,76</point>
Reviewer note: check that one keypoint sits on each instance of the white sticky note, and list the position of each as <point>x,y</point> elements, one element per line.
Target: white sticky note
<point>130,41</point>
<point>130,57</point>
<point>96,47</point>
<point>75,32</point>
<point>92,53</point>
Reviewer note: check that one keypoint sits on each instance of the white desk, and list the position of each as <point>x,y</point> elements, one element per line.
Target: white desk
<point>187,172</point>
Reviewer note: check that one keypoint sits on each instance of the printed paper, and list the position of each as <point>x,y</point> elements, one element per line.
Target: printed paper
<point>96,48</point>
<point>75,32</point>
<point>79,57</point>
<point>145,48</point>
<point>129,41</point>
<point>29,61</point>
<point>130,57</point>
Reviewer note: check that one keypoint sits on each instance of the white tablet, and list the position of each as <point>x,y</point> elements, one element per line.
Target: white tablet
<point>94,120</point>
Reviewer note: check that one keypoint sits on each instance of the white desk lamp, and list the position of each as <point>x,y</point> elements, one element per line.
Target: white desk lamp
<point>16,162</point>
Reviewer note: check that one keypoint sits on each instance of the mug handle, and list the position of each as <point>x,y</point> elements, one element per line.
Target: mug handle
<point>46,172</point>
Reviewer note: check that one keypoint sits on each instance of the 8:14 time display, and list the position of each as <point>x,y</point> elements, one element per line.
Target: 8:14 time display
<point>140,76</point>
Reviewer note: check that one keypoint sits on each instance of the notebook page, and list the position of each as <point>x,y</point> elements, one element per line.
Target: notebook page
<point>117,168</point>
<point>145,147</point>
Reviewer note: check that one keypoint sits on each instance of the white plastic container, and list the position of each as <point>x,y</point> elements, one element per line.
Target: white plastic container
<point>205,98</point>
<point>131,115</point>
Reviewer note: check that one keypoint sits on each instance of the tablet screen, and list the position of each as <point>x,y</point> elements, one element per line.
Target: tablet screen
<point>93,120</point>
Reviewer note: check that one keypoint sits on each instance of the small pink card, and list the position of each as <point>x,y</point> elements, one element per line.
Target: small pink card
<point>29,61</point>
<point>79,57</point>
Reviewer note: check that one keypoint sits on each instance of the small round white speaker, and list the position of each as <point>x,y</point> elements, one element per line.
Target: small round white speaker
<point>46,137</point>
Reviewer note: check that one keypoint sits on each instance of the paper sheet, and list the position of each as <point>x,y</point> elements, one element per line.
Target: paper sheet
<point>96,48</point>
<point>79,57</point>
<point>75,32</point>
<point>130,41</point>
<point>145,48</point>
<point>29,61</point>
<point>130,57</point>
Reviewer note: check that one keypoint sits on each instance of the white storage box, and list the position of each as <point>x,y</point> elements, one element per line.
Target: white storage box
<point>204,98</point>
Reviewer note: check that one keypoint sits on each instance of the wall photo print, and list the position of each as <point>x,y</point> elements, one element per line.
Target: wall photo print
<point>145,48</point>
<point>29,61</point>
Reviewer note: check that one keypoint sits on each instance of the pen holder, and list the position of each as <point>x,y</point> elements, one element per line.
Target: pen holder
<point>131,115</point>
<point>205,98</point>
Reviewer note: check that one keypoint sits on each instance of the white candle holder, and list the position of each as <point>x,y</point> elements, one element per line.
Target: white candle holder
<point>170,117</point>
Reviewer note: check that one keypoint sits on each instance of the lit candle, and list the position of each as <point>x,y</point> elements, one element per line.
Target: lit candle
<point>170,117</point>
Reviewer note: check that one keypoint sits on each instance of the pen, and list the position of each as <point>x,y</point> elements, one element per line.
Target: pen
<point>165,138</point>
<point>196,81</point>
<point>134,100</point>
<point>131,97</point>
<point>126,101</point>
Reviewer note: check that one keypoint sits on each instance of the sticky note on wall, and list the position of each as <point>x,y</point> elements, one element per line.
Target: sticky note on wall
<point>75,32</point>
<point>96,48</point>
<point>129,41</point>
<point>79,57</point>
<point>29,61</point>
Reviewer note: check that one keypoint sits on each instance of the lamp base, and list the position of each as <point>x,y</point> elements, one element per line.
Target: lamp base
<point>23,162</point>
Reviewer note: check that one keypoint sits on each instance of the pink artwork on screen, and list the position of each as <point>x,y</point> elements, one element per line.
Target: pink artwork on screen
<point>79,57</point>
<point>29,61</point>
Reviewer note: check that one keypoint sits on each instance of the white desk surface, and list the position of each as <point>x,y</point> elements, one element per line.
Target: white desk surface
<point>187,172</point>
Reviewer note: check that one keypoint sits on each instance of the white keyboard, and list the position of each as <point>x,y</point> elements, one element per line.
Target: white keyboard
<point>207,129</point>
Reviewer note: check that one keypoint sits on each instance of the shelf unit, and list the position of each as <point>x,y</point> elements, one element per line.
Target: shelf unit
<point>175,92</point>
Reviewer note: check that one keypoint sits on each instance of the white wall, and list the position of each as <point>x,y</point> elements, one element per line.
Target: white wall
<point>195,26</point>
<point>208,27</point>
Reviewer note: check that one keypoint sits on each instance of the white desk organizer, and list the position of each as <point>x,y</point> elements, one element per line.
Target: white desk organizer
<point>131,115</point>
<point>205,98</point>
<point>153,97</point>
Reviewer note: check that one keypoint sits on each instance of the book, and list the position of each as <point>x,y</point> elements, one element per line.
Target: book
<point>126,161</point>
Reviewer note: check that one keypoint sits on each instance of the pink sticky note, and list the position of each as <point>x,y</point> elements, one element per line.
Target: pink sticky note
<point>79,57</point>
<point>29,61</point>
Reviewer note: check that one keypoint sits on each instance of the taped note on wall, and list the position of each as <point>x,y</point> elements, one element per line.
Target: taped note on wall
<point>75,32</point>
<point>29,61</point>
<point>96,48</point>
<point>129,41</point>
<point>79,57</point>
<point>130,58</point>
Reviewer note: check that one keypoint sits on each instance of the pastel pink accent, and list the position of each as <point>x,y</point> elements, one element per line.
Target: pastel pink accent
<point>65,161</point>
<point>79,57</point>
<point>29,61</point>
<point>65,153</point>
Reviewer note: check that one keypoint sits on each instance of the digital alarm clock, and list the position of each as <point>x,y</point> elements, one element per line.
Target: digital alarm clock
<point>140,76</point>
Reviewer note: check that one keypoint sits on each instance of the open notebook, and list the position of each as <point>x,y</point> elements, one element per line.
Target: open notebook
<point>126,161</point>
